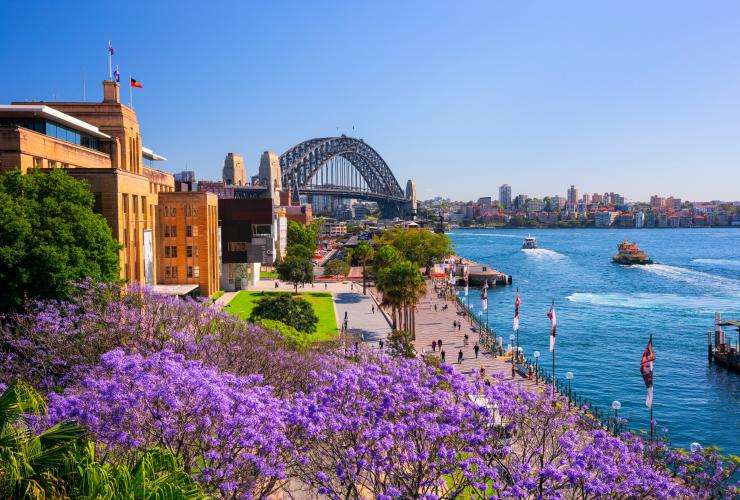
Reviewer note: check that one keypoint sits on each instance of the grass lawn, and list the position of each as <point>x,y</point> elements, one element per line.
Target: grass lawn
<point>326,329</point>
<point>268,275</point>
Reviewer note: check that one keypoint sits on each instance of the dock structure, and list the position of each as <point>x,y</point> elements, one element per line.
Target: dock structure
<point>480,273</point>
<point>720,349</point>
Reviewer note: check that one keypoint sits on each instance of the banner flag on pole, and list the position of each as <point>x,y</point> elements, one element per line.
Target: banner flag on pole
<point>116,75</point>
<point>553,324</point>
<point>465,274</point>
<point>516,311</point>
<point>646,368</point>
<point>136,84</point>
<point>484,296</point>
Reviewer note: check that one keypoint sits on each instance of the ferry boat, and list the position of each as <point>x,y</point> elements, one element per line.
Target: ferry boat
<point>628,253</point>
<point>530,243</point>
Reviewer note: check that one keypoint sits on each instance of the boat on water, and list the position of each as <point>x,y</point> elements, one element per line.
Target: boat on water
<point>530,243</point>
<point>629,253</point>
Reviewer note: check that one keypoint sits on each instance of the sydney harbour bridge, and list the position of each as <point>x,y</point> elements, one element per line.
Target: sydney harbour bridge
<point>345,167</point>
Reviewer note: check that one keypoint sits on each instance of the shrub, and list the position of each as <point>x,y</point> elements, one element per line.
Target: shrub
<point>293,311</point>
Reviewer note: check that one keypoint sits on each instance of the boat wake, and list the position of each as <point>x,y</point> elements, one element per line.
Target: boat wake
<point>692,277</point>
<point>732,263</point>
<point>543,253</point>
<point>703,304</point>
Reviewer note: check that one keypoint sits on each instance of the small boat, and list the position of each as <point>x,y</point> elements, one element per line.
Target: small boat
<point>530,243</point>
<point>628,253</point>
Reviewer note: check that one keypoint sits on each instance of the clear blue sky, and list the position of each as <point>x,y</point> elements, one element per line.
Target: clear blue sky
<point>628,96</point>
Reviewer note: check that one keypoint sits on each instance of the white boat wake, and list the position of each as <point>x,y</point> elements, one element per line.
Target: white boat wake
<point>486,235</point>
<point>692,277</point>
<point>733,263</point>
<point>543,253</point>
<point>701,304</point>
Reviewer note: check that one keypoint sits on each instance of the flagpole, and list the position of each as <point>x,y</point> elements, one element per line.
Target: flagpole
<point>651,401</point>
<point>553,358</point>
<point>110,62</point>
<point>130,93</point>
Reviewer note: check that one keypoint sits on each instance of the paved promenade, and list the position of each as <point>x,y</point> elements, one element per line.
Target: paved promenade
<point>437,325</point>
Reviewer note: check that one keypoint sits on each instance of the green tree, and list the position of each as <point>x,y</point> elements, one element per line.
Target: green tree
<point>31,464</point>
<point>293,311</point>
<point>50,237</point>
<point>402,286</point>
<point>301,235</point>
<point>401,343</point>
<point>336,267</point>
<point>296,271</point>
<point>419,246</point>
<point>364,254</point>
<point>300,251</point>
<point>385,256</point>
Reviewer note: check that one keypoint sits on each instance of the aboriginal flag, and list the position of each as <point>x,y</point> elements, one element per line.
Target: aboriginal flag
<point>136,84</point>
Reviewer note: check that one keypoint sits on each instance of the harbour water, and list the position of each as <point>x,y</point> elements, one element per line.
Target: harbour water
<point>606,313</point>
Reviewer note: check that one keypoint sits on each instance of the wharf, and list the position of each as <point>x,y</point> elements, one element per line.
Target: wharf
<point>723,352</point>
<point>479,273</point>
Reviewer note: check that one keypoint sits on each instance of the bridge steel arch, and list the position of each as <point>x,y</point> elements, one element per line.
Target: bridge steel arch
<point>301,162</point>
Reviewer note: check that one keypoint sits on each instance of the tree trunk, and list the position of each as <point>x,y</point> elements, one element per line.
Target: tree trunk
<point>364,280</point>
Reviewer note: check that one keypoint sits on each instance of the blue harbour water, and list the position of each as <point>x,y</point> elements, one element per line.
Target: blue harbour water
<point>606,313</point>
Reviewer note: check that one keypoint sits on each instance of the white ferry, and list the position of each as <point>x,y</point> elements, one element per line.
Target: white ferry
<point>530,243</point>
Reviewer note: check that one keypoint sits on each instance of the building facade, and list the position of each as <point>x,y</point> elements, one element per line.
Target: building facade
<point>504,196</point>
<point>187,236</point>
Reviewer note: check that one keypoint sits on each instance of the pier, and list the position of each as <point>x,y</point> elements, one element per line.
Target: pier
<point>480,273</point>
<point>722,351</point>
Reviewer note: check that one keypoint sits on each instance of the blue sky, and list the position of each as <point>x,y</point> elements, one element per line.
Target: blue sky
<point>628,96</point>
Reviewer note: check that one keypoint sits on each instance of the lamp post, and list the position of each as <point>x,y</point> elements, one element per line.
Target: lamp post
<point>616,405</point>
<point>500,342</point>
<point>569,376</point>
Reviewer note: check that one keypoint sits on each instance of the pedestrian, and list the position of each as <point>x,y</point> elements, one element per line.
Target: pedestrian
<point>488,382</point>
<point>465,339</point>
<point>442,356</point>
<point>439,343</point>
<point>276,283</point>
<point>381,344</point>
<point>459,326</point>
<point>326,286</point>
<point>483,372</point>
<point>372,306</point>
<point>476,349</point>
<point>434,345</point>
<point>454,324</point>
<point>435,307</point>
<point>460,357</point>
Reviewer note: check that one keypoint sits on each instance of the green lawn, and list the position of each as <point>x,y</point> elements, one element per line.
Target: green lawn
<point>326,329</point>
<point>268,275</point>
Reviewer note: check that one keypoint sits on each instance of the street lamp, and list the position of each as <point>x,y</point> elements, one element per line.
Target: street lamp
<point>513,354</point>
<point>616,405</point>
<point>569,376</point>
<point>536,367</point>
<point>500,342</point>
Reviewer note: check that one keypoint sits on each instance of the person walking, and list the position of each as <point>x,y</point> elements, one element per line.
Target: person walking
<point>459,325</point>
<point>454,324</point>
<point>276,283</point>
<point>435,307</point>
<point>372,306</point>
<point>439,343</point>
<point>434,345</point>
<point>460,357</point>
<point>476,348</point>
<point>465,339</point>
<point>381,344</point>
<point>326,286</point>
<point>442,356</point>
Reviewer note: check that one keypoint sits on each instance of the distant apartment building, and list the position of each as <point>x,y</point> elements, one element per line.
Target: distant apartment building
<point>188,240</point>
<point>657,201</point>
<point>504,195</point>
<point>639,219</point>
<point>485,201</point>
<point>333,229</point>
<point>520,201</point>
<point>535,205</point>
<point>557,202</point>
<point>572,197</point>
<point>219,188</point>
<point>596,198</point>
<point>234,173</point>
<point>605,218</point>
<point>627,220</point>
<point>586,199</point>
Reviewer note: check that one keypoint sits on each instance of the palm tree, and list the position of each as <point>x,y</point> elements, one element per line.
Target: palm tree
<point>363,254</point>
<point>31,464</point>
<point>403,286</point>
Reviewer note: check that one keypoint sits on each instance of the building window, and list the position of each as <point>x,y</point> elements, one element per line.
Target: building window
<point>173,251</point>
<point>189,251</point>
<point>261,230</point>
<point>174,211</point>
<point>166,231</point>
<point>196,271</point>
<point>190,271</point>
<point>38,162</point>
<point>195,230</point>
<point>195,250</point>
<point>237,246</point>
<point>188,231</point>
<point>167,254</point>
<point>98,204</point>
<point>173,231</point>
<point>174,271</point>
<point>166,271</point>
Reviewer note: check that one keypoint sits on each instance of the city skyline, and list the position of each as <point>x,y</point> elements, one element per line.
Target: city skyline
<point>615,95</point>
